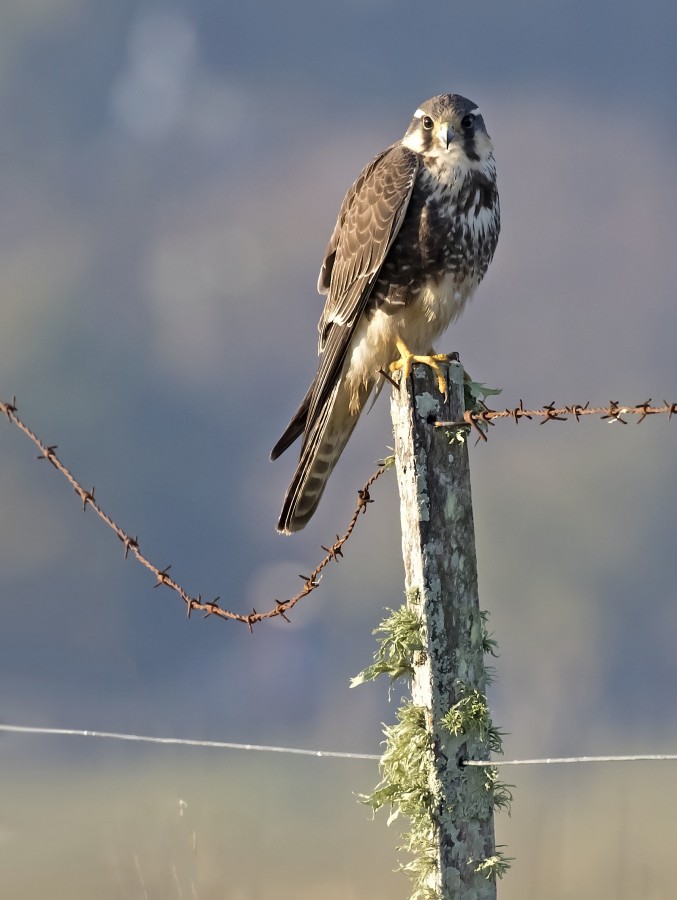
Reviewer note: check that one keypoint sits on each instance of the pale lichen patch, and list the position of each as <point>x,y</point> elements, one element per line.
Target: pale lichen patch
<point>426,405</point>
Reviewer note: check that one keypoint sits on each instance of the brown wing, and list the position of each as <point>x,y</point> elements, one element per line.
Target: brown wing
<point>370,218</point>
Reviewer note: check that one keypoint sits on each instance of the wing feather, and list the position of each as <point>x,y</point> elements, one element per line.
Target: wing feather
<point>330,253</point>
<point>368,222</point>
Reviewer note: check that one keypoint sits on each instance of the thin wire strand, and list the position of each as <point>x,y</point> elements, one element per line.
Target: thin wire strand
<point>185,742</point>
<point>565,760</point>
<point>330,754</point>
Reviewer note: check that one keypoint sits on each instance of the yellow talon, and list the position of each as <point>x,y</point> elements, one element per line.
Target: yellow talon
<point>407,360</point>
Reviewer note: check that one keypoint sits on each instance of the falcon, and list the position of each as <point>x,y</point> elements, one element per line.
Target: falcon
<point>414,237</point>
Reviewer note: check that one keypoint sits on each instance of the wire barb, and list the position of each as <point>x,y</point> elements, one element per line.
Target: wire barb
<point>614,412</point>
<point>8,408</point>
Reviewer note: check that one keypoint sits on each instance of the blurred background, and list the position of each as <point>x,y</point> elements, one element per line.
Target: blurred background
<point>170,175</point>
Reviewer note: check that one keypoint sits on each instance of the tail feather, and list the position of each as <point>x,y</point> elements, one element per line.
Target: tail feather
<point>322,447</point>
<point>295,428</point>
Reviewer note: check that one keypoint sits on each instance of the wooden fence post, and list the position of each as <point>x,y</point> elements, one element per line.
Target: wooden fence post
<point>438,544</point>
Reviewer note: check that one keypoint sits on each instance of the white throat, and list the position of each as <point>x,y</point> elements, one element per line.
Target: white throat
<point>452,163</point>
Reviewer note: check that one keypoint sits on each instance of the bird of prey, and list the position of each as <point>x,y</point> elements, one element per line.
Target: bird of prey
<point>414,237</point>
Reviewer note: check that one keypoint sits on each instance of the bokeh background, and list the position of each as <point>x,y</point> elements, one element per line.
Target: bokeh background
<point>170,175</point>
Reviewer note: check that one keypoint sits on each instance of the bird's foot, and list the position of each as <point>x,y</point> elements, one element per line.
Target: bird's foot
<point>407,360</point>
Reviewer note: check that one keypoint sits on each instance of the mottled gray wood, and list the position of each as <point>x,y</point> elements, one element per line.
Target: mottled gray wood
<point>438,543</point>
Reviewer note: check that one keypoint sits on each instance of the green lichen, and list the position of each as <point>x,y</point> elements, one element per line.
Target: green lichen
<point>489,645</point>
<point>405,790</point>
<point>470,718</point>
<point>500,790</point>
<point>475,394</point>
<point>399,638</point>
<point>494,866</point>
<point>407,763</point>
<point>388,461</point>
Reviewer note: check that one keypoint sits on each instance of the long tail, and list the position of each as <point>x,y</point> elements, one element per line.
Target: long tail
<point>322,447</point>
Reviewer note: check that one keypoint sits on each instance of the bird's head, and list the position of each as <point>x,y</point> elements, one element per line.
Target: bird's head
<point>450,129</point>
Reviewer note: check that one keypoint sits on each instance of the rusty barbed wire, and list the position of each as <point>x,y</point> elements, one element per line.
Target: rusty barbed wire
<point>131,544</point>
<point>614,412</point>
<point>475,418</point>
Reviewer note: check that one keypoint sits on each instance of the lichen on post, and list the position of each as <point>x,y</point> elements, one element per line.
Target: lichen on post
<point>449,677</point>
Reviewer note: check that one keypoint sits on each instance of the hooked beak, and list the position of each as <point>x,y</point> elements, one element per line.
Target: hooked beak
<point>446,134</point>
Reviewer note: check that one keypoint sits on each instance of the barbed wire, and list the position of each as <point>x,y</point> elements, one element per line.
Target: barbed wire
<point>475,418</point>
<point>614,412</point>
<point>131,544</point>
<point>329,754</point>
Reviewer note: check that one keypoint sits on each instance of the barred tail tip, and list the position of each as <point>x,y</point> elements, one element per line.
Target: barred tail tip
<point>323,444</point>
<point>304,495</point>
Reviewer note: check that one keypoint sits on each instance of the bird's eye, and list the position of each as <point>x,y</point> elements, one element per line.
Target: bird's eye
<point>427,122</point>
<point>467,121</point>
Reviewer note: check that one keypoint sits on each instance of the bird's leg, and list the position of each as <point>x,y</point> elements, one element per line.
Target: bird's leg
<point>407,360</point>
